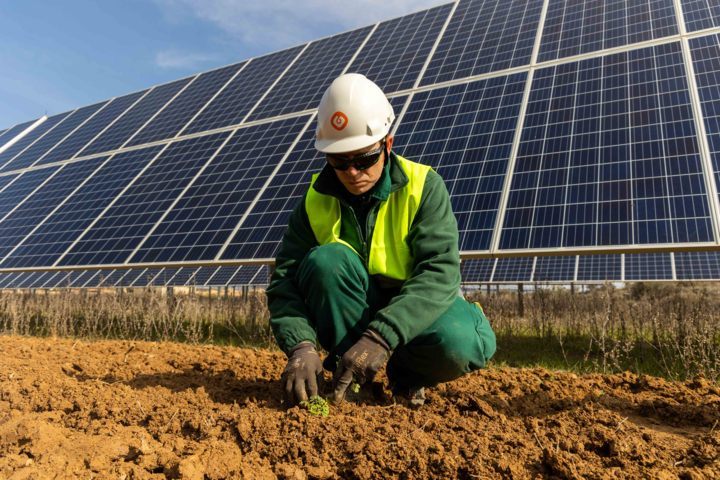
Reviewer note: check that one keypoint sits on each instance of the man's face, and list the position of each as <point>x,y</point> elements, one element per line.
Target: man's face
<point>357,181</point>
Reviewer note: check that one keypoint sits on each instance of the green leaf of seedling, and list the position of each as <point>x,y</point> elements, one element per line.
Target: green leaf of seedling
<point>316,405</point>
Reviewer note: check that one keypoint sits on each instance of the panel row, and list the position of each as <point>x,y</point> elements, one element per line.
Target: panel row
<point>609,154</point>
<point>246,275</point>
<point>685,266</point>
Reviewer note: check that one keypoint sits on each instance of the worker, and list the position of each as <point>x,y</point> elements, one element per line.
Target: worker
<point>369,268</point>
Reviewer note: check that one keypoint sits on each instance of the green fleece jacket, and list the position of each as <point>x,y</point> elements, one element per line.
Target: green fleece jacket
<point>419,301</point>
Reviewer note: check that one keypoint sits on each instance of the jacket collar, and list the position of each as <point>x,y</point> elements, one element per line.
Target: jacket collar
<point>393,178</point>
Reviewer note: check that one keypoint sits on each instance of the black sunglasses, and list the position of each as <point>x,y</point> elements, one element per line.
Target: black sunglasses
<point>359,162</point>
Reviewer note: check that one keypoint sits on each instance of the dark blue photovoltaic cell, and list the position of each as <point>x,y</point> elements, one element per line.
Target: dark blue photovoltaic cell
<point>573,27</point>
<point>554,269</point>
<point>164,276</point>
<point>700,14</point>
<point>179,112</point>
<point>476,270</point>
<point>52,279</point>
<point>303,84</point>
<point>37,206</point>
<point>198,226</point>
<point>600,267</point>
<point>260,234</point>
<point>6,179</point>
<point>398,49</point>
<point>10,279</point>
<point>485,36</point>
<point>513,269</point>
<point>697,265</point>
<point>14,131</point>
<point>129,277</point>
<point>90,129</point>
<point>648,266</point>
<point>36,151</point>
<point>183,276</point>
<point>125,224</point>
<point>146,277</point>
<point>261,278</point>
<point>60,230</point>
<point>201,276</point>
<point>134,118</point>
<point>108,278</point>
<point>78,278</point>
<point>243,92</point>
<point>16,192</point>
<point>465,132</point>
<point>244,275</point>
<point>609,156</point>
<point>28,280</point>
<point>222,276</point>
<point>706,62</point>
<point>28,139</point>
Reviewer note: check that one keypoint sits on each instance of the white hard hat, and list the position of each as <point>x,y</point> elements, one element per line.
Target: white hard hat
<point>353,114</point>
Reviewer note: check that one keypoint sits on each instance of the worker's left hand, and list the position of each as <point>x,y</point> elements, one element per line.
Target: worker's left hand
<point>361,362</point>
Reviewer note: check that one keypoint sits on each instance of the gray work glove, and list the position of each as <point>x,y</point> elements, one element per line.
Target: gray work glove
<point>300,377</point>
<point>362,361</point>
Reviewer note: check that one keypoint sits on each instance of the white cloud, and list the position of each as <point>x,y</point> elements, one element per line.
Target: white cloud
<point>183,60</point>
<point>283,23</point>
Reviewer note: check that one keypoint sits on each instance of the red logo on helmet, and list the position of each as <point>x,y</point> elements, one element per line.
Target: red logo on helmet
<point>339,121</point>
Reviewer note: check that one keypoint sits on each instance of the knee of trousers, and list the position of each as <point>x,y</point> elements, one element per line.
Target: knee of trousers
<point>331,265</point>
<point>465,340</point>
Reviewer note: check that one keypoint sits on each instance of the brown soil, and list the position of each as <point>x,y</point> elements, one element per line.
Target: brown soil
<point>74,409</point>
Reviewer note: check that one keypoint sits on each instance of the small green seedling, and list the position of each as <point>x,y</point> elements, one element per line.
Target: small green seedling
<point>317,406</point>
<point>355,387</point>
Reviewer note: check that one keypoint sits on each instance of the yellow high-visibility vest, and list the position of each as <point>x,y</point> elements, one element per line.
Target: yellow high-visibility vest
<point>390,254</point>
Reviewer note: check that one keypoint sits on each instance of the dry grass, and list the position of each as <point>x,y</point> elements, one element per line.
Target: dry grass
<point>668,330</point>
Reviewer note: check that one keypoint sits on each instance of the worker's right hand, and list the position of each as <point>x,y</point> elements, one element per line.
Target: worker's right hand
<point>300,377</point>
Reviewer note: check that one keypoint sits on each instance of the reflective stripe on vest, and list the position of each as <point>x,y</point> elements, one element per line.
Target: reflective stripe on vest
<point>390,253</point>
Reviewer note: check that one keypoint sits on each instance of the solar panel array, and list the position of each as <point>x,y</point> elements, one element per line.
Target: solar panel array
<point>589,130</point>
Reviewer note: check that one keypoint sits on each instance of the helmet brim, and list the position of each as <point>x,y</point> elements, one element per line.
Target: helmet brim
<point>347,145</point>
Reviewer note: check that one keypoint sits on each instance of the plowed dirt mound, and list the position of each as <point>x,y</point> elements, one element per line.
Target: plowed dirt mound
<point>72,409</point>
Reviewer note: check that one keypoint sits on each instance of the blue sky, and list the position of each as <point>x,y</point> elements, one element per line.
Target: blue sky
<point>58,55</point>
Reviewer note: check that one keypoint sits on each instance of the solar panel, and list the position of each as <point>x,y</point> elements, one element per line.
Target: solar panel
<point>648,266</point>
<point>29,280</point>
<point>513,269</point>
<point>485,36</point>
<point>182,276</point>
<point>302,86</point>
<point>45,245</point>
<point>119,230</point>
<point>477,270</point>
<point>574,27</point>
<point>201,276</point>
<point>108,278</point>
<point>134,118</point>
<point>697,265</point>
<point>465,132</point>
<point>146,277</point>
<point>600,267</point>
<point>700,14</point>
<point>14,131</point>
<point>200,223</point>
<point>237,98</point>
<point>398,49</point>
<point>222,276</point>
<point>554,269</point>
<point>6,179</point>
<point>13,195</point>
<point>244,275</point>
<point>78,278</point>
<point>262,277</point>
<point>11,279</point>
<point>130,277</point>
<point>14,227</point>
<point>28,139</point>
<point>706,63</point>
<point>609,156</point>
<point>179,112</point>
<point>90,129</point>
<point>35,152</point>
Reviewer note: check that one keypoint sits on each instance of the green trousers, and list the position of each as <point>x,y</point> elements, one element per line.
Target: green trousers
<point>342,299</point>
